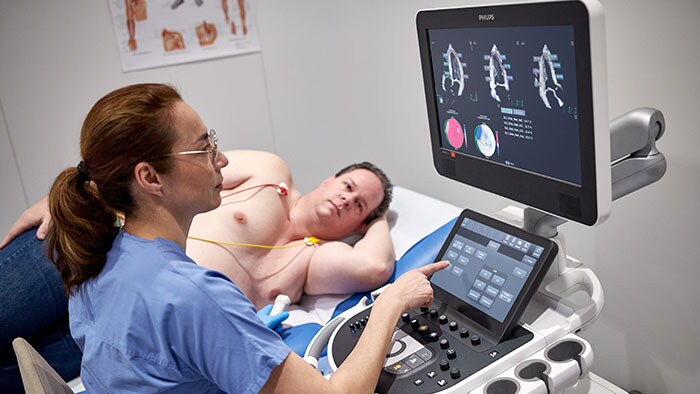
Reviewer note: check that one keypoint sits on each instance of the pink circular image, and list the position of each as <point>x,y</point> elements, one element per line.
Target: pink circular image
<point>453,131</point>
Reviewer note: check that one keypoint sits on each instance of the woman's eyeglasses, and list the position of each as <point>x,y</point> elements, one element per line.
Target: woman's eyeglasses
<point>212,148</point>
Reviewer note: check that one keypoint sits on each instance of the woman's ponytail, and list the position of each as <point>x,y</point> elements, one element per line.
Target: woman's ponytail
<point>83,228</point>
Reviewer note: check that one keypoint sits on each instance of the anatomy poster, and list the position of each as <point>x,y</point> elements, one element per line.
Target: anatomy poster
<point>153,33</point>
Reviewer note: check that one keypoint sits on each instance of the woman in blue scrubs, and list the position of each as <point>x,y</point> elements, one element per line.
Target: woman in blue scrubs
<point>147,318</point>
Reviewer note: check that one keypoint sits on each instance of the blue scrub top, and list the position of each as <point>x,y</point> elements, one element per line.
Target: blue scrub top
<point>153,321</point>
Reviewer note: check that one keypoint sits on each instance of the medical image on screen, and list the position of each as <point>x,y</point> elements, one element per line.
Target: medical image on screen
<point>488,267</point>
<point>498,76</point>
<point>519,106</point>
<point>486,140</point>
<point>454,133</point>
<point>546,79</point>
<point>453,76</point>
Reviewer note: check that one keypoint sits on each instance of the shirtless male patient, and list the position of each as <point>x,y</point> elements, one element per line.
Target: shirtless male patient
<point>263,236</point>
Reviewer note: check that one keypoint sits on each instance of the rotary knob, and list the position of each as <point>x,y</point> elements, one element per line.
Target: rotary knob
<point>444,365</point>
<point>444,344</point>
<point>424,330</point>
<point>475,340</point>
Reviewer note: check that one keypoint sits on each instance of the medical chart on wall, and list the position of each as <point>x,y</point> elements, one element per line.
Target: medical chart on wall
<point>154,33</point>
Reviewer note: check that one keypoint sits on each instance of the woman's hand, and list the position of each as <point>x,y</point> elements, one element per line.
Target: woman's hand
<point>412,289</point>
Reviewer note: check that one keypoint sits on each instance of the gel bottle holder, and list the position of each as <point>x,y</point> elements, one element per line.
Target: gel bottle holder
<point>548,371</point>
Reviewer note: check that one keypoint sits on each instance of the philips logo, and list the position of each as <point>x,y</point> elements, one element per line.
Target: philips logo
<point>486,17</point>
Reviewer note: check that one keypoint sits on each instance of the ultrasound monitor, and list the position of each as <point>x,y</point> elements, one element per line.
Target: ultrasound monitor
<point>517,103</point>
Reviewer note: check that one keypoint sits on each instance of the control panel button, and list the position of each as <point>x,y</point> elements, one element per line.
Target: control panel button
<point>431,374</point>
<point>464,333</point>
<point>475,340</point>
<point>444,365</point>
<point>444,344</point>
<point>398,368</point>
<point>424,353</point>
<point>424,330</point>
<point>441,382</point>
<point>405,318</point>
<point>413,361</point>
<point>415,324</point>
<point>442,319</point>
<point>453,325</point>
<point>433,337</point>
<point>363,322</point>
<point>451,354</point>
<point>418,382</point>
<point>424,309</point>
<point>454,373</point>
<point>433,313</point>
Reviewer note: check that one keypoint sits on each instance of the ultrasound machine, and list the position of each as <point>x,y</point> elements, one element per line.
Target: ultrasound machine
<point>517,105</point>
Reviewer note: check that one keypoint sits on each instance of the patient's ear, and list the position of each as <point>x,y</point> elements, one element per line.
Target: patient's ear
<point>148,179</point>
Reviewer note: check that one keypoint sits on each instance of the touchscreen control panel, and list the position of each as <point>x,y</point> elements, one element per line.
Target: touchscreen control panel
<point>494,270</point>
<point>488,267</point>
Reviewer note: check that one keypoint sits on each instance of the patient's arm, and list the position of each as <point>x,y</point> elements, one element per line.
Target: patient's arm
<point>36,215</point>
<point>246,164</point>
<point>339,268</point>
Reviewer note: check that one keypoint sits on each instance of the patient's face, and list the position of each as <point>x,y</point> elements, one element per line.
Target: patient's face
<point>342,203</point>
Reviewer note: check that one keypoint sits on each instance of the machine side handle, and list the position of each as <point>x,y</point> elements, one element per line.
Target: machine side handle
<point>582,315</point>
<point>320,341</point>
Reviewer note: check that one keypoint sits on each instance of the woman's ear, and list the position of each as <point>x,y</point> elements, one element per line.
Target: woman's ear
<point>147,178</point>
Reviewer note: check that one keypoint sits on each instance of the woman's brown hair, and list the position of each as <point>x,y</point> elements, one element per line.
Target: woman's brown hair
<point>125,127</point>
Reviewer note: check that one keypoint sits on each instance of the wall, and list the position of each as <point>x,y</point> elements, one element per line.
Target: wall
<point>343,83</point>
<point>647,253</point>
<point>58,58</point>
<point>12,192</point>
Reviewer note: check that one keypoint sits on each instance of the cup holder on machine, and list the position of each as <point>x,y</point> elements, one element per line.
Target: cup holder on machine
<point>532,370</point>
<point>502,386</point>
<point>568,350</point>
<point>549,371</point>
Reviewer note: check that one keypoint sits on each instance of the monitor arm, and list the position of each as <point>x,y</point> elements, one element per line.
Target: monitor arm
<point>636,163</point>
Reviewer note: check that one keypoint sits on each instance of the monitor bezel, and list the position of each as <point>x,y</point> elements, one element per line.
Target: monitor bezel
<point>588,203</point>
<point>498,330</point>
